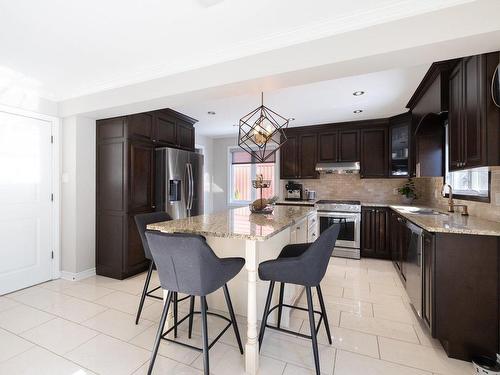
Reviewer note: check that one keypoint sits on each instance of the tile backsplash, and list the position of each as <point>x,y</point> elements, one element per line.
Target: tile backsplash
<point>383,190</point>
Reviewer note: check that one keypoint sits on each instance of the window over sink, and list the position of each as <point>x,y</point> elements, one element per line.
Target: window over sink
<point>242,170</point>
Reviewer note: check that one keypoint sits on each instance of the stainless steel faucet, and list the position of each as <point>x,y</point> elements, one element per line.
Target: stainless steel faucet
<point>451,204</point>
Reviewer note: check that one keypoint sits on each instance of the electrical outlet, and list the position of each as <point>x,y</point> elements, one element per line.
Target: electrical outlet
<point>395,191</point>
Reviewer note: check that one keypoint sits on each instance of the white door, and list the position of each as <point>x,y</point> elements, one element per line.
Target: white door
<point>25,201</point>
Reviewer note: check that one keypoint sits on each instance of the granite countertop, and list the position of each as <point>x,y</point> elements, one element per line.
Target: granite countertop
<point>237,223</point>
<point>445,222</point>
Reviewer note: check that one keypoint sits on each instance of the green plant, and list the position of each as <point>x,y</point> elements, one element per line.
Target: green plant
<point>408,189</point>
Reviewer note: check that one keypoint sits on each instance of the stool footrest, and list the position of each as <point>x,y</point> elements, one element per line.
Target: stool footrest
<point>195,347</point>
<point>289,331</point>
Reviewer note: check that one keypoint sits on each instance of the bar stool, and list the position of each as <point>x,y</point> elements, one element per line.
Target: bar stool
<point>300,264</point>
<point>186,264</point>
<point>142,220</point>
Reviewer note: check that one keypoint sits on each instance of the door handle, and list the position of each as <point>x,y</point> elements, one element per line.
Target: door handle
<point>191,187</point>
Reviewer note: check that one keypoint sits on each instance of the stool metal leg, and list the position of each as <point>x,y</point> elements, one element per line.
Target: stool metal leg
<point>144,291</point>
<point>175,314</point>
<point>323,311</point>
<point>312,325</point>
<point>233,318</point>
<point>204,333</point>
<point>191,313</point>
<point>280,308</point>
<point>160,332</point>
<point>266,312</point>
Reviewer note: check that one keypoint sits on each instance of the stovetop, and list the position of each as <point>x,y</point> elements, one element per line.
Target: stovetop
<point>338,201</point>
<point>338,205</point>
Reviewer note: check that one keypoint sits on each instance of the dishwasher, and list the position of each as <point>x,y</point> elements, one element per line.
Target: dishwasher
<point>413,264</point>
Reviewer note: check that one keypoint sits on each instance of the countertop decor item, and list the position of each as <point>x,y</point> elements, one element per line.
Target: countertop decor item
<point>262,205</point>
<point>408,191</point>
<point>261,132</point>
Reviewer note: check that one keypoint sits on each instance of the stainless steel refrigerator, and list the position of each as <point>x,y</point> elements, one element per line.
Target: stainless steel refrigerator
<point>179,182</point>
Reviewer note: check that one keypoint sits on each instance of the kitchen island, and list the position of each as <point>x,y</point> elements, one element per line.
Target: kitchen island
<point>257,238</point>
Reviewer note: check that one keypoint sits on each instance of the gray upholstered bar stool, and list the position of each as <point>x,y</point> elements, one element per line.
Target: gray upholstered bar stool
<point>186,264</point>
<point>142,221</point>
<point>300,264</point>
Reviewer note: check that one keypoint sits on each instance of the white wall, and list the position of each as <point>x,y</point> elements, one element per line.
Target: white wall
<point>220,182</point>
<point>78,195</point>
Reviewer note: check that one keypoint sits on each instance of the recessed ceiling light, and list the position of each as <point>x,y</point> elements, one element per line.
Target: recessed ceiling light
<point>211,113</point>
<point>358,93</point>
<point>357,111</point>
<point>291,119</point>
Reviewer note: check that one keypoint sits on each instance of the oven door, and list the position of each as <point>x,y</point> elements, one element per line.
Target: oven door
<point>349,235</point>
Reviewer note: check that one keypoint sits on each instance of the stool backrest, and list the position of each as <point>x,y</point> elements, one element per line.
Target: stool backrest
<point>142,221</point>
<point>185,262</point>
<point>315,259</point>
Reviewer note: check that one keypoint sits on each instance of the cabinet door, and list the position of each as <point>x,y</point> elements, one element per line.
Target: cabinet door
<point>133,258</point>
<point>185,136</point>
<point>473,130</point>
<point>382,238</point>
<point>141,177</point>
<point>288,158</point>
<point>140,126</point>
<point>428,280</point>
<point>455,119</point>
<point>348,145</point>
<point>395,253</point>
<point>327,147</point>
<point>368,232</point>
<point>374,153</point>
<point>399,146</point>
<point>165,129</point>
<point>308,146</point>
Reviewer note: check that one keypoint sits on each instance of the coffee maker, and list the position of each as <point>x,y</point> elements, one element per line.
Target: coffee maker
<point>293,191</point>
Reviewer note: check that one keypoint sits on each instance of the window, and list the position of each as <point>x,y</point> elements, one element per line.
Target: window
<point>469,184</point>
<point>244,169</point>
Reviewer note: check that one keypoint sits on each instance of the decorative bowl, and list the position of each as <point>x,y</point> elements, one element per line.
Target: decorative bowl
<point>268,209</point>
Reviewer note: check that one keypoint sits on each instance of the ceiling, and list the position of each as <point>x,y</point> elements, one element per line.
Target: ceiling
<point>66,49</point>
<point>386,94</point>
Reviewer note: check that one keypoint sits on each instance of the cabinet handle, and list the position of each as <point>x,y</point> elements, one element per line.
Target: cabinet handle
<point>153,206</point>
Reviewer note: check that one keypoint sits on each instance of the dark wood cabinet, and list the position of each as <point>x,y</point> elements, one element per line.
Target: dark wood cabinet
<point>400,156</point>
<point>374,153</point>
<point>428,260</point>
<point>327,143</point>
<point>298,156</point>
<point>125,181</point>
<point>375,233</point>
<point>398,242</point>
<point>308,146</point>
<point>289,164</point>
<point>473,121</point>
<point>348,145</point>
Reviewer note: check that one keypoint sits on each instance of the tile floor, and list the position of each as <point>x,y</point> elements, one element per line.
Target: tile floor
<point>87,327</point>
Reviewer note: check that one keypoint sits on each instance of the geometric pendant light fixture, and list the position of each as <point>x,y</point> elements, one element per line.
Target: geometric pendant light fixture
<point>261,132</point>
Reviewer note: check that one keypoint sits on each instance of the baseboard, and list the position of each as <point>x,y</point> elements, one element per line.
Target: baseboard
<point>77,276</point>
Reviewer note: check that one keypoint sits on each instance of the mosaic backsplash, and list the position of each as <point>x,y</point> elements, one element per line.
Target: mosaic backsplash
<point>345,186</point>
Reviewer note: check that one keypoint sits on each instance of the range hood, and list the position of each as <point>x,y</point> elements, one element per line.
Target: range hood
<point>345,167</point>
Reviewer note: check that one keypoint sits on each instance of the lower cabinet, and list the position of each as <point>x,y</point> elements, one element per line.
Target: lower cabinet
<point>428,259</point>
<point>375,233</point>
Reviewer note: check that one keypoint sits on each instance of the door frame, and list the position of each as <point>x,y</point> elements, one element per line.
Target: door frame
<point>55,237</point>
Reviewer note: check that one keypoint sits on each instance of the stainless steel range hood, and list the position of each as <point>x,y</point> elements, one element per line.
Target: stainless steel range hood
<point>345,167</point>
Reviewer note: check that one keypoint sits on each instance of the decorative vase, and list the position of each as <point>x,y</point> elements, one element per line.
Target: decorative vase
<point>407,200</point>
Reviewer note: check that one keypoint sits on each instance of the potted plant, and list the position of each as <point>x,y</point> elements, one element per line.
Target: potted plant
<point>408,191</point>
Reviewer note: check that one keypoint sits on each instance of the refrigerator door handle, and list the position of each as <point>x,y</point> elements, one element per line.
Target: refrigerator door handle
<point>187,189</point>
<point>191,186</point>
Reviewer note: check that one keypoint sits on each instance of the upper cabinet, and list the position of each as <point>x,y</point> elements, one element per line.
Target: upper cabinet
<point>338,146</point>
<point>348,145</point>
<point>399,145</point>
<point>473,120</point>
<point>298,155</point>
<point>374,153</point>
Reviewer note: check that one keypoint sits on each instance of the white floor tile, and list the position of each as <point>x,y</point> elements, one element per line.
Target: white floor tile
<point>87,292</point>
<point>368,296</point>
<point>354,364</point>
<point>123,302</point>
<point>59,335</point>
<point>38,361</point>
<point>380,327</point>
<point>106,355</point>
<point>117,324</point>
<point>296,370</point>
<point>422,357</point>
<point>11,345</point>
<point>57,285</point>
<point>6,303</point>
<point>396,312</point>
<point>168,366</point>
<point>22,318</point>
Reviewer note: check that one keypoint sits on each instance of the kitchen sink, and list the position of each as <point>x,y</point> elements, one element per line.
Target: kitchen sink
<point>419,210</point>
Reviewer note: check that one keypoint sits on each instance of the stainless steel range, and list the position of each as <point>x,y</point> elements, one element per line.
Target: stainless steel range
<point>348,215</point>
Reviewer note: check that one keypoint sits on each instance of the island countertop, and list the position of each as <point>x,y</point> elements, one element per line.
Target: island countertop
<point>237,223</point>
